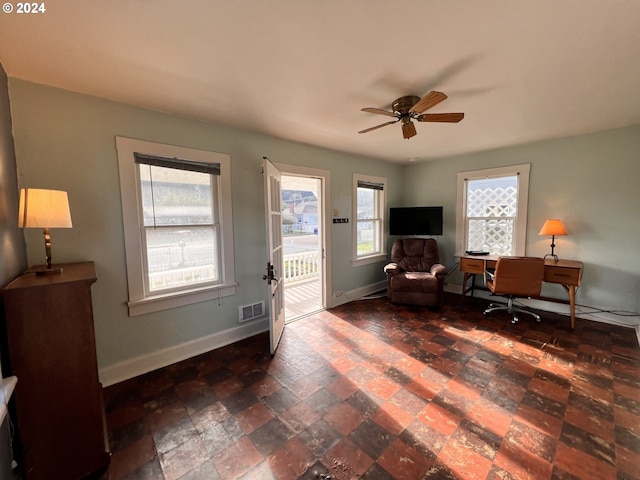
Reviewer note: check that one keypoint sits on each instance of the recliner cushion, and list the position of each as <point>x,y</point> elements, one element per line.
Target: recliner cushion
<point>415,254</point>
<point>415,282</point>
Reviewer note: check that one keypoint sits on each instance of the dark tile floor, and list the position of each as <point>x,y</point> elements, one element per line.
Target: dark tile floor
<point>374,391</point>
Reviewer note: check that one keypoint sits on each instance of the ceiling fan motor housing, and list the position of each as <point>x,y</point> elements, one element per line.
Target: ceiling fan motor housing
<point>402,105</point>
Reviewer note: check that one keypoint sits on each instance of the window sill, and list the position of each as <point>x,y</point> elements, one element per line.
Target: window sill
<point>166,301</point>
<point>377,258</point>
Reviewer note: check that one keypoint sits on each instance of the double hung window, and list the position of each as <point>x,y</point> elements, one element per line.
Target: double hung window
<point>369,208</point>
<point>492,210</point>
<point>181,231</point>
<point>177,218</point>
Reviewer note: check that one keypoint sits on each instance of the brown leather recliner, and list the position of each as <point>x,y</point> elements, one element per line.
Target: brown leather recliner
<point>415,276</point>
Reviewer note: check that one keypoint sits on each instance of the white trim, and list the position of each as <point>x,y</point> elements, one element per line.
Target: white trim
<point>139,303</point>
<point>140,365</point>
<point>156,303</point>
<point>522,170</point>
<point>545,306</point>
<point>325,184</point>
<point>357,293</point>
<point>379,256</point>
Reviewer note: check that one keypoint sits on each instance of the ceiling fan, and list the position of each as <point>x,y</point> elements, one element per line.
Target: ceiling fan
<point>410,108</point>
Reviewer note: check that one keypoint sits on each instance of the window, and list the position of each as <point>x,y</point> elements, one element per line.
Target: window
<point>176,206</point>
<point>492,210</point>
<point>368,227</point>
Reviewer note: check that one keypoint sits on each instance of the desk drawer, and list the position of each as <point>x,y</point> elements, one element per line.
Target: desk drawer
<point>472,265</point>
<point>565,276</point>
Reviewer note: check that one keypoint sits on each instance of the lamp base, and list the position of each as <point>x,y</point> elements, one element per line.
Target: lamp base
<point>49,271</point>
<point>553,246</point>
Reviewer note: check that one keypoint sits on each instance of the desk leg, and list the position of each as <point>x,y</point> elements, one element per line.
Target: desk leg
<point>465,279</point>
<point>571,290</point>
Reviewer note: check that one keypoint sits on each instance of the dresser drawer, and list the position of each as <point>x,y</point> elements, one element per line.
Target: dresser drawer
<point>563,275</point>
<point>471,265</point>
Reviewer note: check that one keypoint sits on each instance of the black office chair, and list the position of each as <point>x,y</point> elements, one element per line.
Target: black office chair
<point>515,277</point>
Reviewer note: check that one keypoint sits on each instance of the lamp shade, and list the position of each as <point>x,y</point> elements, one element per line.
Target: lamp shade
<point>553,226</point>
<point>43,209</point>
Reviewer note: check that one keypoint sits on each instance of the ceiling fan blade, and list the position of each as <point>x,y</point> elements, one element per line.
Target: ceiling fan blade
<point>430,100</point>
<point>440,117</point>
<point>377,126</point>
<point>379,111</point>
<point>408,130</point>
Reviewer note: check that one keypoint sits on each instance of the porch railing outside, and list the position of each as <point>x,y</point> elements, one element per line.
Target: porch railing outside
<point>181,276</point>
<point>171,265</point>
<point>301,258</point>
<point>301,266</point>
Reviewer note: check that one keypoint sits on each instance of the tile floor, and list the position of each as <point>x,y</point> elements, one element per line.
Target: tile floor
<point>374,391</point>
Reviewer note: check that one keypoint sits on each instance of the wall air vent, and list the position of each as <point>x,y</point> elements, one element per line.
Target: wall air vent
<point>249,312</point>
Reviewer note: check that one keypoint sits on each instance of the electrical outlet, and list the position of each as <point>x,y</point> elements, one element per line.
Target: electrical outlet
<point>336,212</point>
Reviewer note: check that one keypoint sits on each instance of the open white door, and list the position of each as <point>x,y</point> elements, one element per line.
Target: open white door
<point>275,264</point>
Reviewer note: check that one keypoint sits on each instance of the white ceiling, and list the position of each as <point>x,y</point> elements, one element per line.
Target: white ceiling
<point>520,70</point>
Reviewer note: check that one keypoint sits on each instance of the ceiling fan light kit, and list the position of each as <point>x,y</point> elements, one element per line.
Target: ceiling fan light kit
<point>408,108</point>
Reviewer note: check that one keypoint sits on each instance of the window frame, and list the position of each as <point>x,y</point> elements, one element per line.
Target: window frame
<point>521,171</point>
<point>140,302</point>
<point>381,205</point>
<point>211,171</point>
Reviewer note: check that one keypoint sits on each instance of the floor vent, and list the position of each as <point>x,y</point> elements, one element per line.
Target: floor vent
<point>249,312</point>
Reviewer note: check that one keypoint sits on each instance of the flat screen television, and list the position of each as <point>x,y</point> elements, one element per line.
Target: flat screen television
<point>415,221</point>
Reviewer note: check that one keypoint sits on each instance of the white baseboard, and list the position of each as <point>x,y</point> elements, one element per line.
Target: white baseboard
<point>560,308</point>
<point>146,363</point>
<point>357,293</point>
<point>142,364</point>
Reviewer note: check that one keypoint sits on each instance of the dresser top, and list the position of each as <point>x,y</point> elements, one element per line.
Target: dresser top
<point>71,272</point>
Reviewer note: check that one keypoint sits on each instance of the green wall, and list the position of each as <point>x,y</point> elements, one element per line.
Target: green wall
<point>591,182</point>
<point>65,141</point>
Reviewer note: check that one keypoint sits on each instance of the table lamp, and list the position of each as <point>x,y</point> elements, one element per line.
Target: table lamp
<point>552,227</point>
<point>44,209</point>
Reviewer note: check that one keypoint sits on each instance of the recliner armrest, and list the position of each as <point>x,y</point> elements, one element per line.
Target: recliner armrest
<point>392,269</point>
<point>438,269</point>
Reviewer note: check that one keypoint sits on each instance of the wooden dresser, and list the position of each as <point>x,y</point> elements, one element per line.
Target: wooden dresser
<point>59,407</point>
